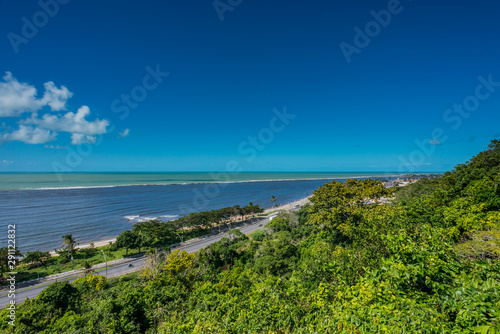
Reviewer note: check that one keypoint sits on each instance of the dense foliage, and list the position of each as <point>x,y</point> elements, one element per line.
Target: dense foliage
<point>427,263</point>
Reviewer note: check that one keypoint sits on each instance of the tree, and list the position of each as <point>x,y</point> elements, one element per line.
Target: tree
<point>252,209</point>
<point>276,256</point>
<point>205,219</point>
<point>153,264</point>
<point>228,215</point>
<point>236,212</point>
<point>58,297</point>
<point>7,255</point>
<point>143,240</point>
<point>35,258</point>
<point>178,262</point>
<point>69,245</point>
<point>258,235</point>
<point>280,223</point>
<point>337,203</point>
<point>152,232</point>
<point>273,200</point>
<point>127,240</point>
<point>234,234</point>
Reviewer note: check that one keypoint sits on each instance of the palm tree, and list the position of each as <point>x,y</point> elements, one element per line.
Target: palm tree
<point>274,199</point>
<point>86,267</point>
<point>70,244</point>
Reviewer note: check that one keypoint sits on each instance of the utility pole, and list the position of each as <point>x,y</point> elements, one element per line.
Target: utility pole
<point>105,259</point>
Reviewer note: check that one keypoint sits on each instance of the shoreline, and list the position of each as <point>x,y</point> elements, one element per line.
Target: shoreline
<point>105,242</point>
<point>86,244</point>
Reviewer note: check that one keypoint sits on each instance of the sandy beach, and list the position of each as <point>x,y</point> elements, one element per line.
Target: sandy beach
<point>289,206</point>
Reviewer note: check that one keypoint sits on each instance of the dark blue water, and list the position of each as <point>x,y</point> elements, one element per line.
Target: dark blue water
<point>42,217</point>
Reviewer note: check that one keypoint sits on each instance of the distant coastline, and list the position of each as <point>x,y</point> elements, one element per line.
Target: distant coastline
<point>85,180</point>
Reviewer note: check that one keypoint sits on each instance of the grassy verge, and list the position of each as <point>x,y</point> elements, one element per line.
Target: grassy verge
<point>54,265</point>
<point>95,256</point>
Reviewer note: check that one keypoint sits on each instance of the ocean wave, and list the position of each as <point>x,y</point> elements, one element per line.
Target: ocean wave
<point>70,187</point>
<point>139,219</point>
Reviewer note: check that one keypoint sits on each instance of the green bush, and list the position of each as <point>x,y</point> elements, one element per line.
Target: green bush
<point>258,235</point>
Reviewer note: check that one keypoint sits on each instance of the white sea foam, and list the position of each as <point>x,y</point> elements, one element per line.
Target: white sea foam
<point>139,219</point>
<point>75,187</point>
<point>217,181</point>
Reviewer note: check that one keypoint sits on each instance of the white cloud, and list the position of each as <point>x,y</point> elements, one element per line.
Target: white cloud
<point>30,135</point>
<point>17,97</point>
<point>70,122</point>
<point>124,133</point>
<point>80,138</point>
<point>5,162</point>
<point>55,97</point>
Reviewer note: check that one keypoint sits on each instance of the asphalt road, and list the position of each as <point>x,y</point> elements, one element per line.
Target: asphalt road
<point>123,268</point>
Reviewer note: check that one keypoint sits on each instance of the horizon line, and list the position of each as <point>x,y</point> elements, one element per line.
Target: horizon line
<point>219,172</point>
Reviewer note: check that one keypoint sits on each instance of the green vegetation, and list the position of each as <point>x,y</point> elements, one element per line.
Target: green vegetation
<point>144,236</point>
<point>7,255</point>
<point>68,248</point>
<point>35,259</point>
<point>426,263</point>
<point>40,264</point>
<point>86,267</point>
<point>273,200</point>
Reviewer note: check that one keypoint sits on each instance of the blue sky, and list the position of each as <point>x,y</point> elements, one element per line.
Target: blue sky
<point>64,86</point>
